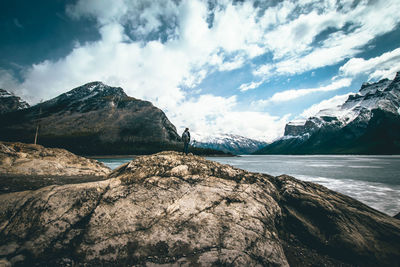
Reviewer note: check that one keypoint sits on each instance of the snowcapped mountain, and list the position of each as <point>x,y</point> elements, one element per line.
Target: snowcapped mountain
<point>10,102</point>
<point>228,143</point>
<point>367,123</point>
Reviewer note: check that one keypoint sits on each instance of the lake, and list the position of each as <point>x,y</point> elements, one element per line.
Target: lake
<point>373,180</point>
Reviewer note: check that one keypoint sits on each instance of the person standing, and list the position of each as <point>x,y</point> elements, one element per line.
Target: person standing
<point>186,140</point>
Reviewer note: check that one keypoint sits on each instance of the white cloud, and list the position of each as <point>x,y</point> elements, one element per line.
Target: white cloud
<point>249,86</point>
<point>162,50</point>
<point>383,66</point>
<point>8,82</point>
<point>210,115</point>
<point>292,43</point>
<point>289,95</point>
<point>325,104</point>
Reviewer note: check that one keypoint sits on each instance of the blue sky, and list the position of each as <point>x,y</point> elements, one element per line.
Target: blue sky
<point>241,67</point>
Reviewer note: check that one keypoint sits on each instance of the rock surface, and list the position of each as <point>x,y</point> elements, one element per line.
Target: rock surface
<point>29,159</point>
<point>169,209</point>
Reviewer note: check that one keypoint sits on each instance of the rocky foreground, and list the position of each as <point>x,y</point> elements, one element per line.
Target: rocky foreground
<point>29,159</point>
<point>169,209</point>
<point>28,166</point>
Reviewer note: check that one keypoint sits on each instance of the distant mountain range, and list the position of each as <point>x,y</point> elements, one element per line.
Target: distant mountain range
<point>99,119</point>
<point>10,102</point>
<point>367,123</point>
<point>229,143</point>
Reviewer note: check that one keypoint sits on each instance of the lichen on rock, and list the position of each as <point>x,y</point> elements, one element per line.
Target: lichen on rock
<point>172,209</point>
<point>30,159</point>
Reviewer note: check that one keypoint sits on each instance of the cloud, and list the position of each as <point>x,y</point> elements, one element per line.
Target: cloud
<point>325,104</point>
<point>8,82</point>
<point>289,95</point>
<point>249,86</point>
<point>161,51</point>
<point>210,115</point>
<point>17,23</point>
<point>158,69</point>
<point>383,66</point>
<point>295,46</point>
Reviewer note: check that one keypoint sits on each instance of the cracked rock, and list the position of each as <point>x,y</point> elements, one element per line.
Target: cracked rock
<point>175,210</point>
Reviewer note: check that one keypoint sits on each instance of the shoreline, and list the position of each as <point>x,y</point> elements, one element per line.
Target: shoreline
<point>134,156</point>
<point>10,183</point>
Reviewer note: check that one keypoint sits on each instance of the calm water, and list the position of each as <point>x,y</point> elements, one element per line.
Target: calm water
<point>373,180</point>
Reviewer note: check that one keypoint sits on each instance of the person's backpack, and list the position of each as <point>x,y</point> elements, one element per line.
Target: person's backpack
<point>185,137</point>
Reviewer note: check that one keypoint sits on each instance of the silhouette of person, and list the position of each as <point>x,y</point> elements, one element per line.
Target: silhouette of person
<point>186,140</point>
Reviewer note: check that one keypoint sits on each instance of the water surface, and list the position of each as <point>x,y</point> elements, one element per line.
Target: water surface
<point>373,180</point>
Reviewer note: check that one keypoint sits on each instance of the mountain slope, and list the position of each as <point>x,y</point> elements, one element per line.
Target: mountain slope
<point>93,119</point>
<point>229,143</point>
<point>367,123</point>
<point>10,102</point>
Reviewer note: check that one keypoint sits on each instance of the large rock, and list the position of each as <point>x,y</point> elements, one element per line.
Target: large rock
<point>30,159</point>
<point>170,209</point>
<point>28,166</point>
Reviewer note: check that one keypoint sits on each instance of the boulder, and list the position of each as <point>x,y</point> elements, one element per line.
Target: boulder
<point>30,159</point>
<point>171,209</point>
<point>29,167</point>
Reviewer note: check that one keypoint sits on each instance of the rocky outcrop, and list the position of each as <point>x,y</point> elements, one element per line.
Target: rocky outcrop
<point>170,209</point>
<point>30,159</point>
<point>10,102</point>
<point>29,167</point>
<point>94,119</point>
<point>397,216</point>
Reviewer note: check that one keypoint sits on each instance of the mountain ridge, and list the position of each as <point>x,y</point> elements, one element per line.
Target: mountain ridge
<point>93,119</point>
<point>366,123</point>
<point>10,102</point>
<point>229,143</point>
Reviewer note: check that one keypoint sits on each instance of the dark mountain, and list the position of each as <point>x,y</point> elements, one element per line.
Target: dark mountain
<point>10,102</point>
<point>229,143</point>
<point>367,123</point>
<point>93,119</point>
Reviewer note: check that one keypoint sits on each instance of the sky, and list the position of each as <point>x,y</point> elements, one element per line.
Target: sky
<point>237,67</point>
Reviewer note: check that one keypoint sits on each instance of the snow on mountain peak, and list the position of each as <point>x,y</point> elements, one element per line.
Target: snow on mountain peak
<point>5,93</point>
<point>10,102</point>
<point>383,95</point>
<point>297,122</point>
<point>232,143</point>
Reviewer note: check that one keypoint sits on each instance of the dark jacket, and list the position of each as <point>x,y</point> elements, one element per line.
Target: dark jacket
<point>186,137</point>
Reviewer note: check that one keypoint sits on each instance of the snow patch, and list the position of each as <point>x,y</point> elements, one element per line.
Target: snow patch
<point>4,93</point>
<point>297,122</point>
